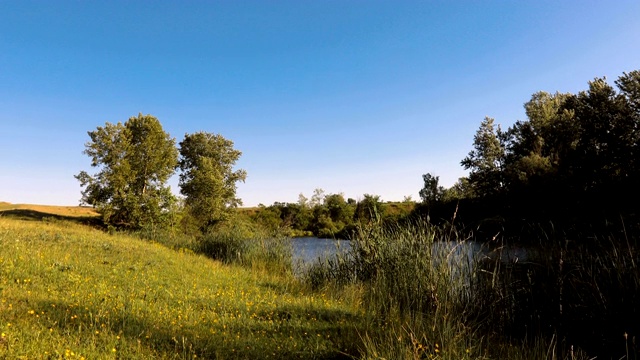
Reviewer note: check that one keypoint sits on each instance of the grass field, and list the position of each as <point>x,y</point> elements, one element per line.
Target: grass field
<point>70,291</point>
<point>52,210</point>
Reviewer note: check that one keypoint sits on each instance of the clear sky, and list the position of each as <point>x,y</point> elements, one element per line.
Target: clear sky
<point>348,96</point>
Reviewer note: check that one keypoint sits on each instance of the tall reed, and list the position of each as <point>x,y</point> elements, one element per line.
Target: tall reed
<point>424,285</point>
<point>252,248</point>
<point>417,288</point>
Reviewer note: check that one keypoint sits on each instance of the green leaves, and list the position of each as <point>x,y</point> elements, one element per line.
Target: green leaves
<point>431,192</point>
<point>486,159</point>
<point>135,160</point>
<point>573,150</point>
<point>208,180</point>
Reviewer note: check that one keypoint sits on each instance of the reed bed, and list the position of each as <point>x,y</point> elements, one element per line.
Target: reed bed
<point>431,293</point>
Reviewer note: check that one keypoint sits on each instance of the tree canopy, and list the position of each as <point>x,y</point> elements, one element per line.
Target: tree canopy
<point>208,180</point>
<point>136,159</point>
<point>486,159</point>
<point>432,192</point>
<point>134,162</point>
<point>573,154</point>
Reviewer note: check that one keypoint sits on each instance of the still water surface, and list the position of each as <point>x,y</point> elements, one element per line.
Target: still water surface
<point>307,250</point>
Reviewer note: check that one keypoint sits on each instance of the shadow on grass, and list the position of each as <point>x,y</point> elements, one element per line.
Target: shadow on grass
<point>33,215</point>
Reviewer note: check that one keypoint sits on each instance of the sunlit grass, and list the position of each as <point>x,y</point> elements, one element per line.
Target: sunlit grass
<point>72,211</point>
<point>68,291</point>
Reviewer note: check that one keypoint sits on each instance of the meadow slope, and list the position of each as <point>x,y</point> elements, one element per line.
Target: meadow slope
<point>70,291</point>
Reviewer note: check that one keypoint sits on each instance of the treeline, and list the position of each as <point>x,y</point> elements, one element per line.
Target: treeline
<point>135,159</point>
<point>328,215</point>
<point>574,159</point>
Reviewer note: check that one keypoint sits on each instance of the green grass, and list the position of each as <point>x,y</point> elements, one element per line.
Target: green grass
<point>68,291</point>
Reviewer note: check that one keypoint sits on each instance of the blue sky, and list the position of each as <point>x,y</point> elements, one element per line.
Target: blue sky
<point>348,96</point>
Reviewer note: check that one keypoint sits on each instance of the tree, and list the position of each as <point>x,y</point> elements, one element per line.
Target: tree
<point>486,159</point>
<point>135,160</point>
<point>536,147</point>
<point>458,191</point>
<point>369,209</point>
<point>431,193</point>
<point>629,85</point>
<point>340,211</point>
<point>317,198</point>
<point>303,201</point>
<point>604,160</point>
<point>207,178</point>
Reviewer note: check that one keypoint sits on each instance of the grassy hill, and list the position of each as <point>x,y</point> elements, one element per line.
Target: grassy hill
<point>70,291</point>
<point>52,210</point>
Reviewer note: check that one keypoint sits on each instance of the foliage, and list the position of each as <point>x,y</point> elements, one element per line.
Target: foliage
<point>135,160</point>
<point>268,217</point>
<point>486,160</point>
<point>240,242</point>
<point>325,215</point>
<point>424,285</point>
<point>432,192</point>
<point>370,209</point>
<point>536,146</point>
<point>334,217</point>
<point>208,180</point>
<point>575,157</point>
<point>462,189</point>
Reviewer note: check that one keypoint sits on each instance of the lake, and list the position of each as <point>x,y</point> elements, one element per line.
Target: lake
<point>307,250</point>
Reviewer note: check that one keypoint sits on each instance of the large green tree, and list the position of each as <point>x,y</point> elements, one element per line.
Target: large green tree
<point>135,160</point>
<point>574,151</point>
<point>208,179</point>
<point>486,160</point>
<point>536,147</point>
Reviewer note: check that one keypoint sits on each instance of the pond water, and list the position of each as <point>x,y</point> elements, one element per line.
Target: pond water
<point>307,250</point>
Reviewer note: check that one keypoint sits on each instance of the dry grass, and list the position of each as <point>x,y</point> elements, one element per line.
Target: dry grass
<point>70,211</point>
